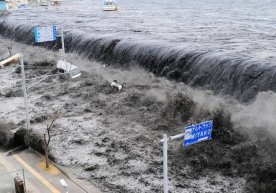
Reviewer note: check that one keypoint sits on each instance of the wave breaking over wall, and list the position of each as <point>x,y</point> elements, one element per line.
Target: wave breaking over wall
<point>239,78</point>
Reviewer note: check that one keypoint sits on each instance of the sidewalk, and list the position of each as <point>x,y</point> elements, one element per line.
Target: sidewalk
<point>38,180</point>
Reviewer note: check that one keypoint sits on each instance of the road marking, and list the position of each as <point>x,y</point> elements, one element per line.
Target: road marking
<point>36,174</point>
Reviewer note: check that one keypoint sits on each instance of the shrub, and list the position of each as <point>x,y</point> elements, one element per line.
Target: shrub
<point>6,134</point>
<point>223,130</point>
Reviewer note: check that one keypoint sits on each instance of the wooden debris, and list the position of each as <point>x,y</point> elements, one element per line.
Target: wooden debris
<point>13,59</point>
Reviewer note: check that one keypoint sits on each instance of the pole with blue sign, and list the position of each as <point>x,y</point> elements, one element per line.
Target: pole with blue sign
<point>49,33</point>
<point>192,134</point>
<point>41,34</point>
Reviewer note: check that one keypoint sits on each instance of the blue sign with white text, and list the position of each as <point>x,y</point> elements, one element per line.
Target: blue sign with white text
<point>197,133</point>
<point>45,34</point>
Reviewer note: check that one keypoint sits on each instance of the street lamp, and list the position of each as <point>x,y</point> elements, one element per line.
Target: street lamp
<point>25,98</point>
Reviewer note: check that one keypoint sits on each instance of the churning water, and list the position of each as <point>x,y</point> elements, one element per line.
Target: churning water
<point>224,45</point>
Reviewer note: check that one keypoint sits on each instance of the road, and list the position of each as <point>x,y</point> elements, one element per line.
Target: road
<point>37,179</point>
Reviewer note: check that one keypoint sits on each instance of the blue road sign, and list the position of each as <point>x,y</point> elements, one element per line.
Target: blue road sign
<point>45,34</point>
<point>197,133</point>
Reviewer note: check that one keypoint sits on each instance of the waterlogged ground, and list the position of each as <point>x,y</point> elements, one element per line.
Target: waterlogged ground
<point>112,138</point>
<point>243,28</point>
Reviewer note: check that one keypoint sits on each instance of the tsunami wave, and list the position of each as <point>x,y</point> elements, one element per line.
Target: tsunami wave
<point>240,78</point>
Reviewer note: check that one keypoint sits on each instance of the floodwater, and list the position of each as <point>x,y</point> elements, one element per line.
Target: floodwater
<point>244,28</point>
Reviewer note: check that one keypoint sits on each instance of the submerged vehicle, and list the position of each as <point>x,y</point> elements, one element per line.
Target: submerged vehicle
<point>110,5</point>
<point>66,67</point>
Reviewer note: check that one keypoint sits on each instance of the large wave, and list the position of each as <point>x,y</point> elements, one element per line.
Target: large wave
<point>239,78</point>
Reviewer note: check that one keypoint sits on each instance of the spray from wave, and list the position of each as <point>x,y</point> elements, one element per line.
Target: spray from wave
<point>260,114</point>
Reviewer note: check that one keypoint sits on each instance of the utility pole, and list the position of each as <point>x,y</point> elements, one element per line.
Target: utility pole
<point>24,88</point>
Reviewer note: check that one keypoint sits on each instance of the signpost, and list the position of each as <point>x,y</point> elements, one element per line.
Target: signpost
<point>193,134</point>
<point>47,34</point>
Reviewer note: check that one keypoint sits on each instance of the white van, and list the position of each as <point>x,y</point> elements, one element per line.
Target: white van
<point>66,67</point>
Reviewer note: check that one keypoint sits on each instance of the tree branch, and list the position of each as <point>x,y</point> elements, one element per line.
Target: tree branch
<point>49,128</point>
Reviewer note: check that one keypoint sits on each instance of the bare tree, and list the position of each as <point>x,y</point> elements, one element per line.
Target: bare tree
<point>47,140</point>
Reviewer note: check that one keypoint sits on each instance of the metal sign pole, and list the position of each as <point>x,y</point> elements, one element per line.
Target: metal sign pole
<point>193,134</point>
<point>25,95</point>
<point>62,44</point>
<point>165,163</point>
<point>165,158</point>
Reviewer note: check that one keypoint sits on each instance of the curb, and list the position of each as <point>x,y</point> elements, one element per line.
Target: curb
<point>62,171</point>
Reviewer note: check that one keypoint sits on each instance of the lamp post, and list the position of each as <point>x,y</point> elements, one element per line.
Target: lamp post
<point>25,97</point>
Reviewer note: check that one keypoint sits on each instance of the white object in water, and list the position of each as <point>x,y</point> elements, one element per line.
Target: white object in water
<point>110,5</point>
<point>44,2</point>
<point>55,2</point>
<point>9,60</point>
<point>115,84</point>
<point>67,67</point>
<point>11,4</point>
<point>22,3</point>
